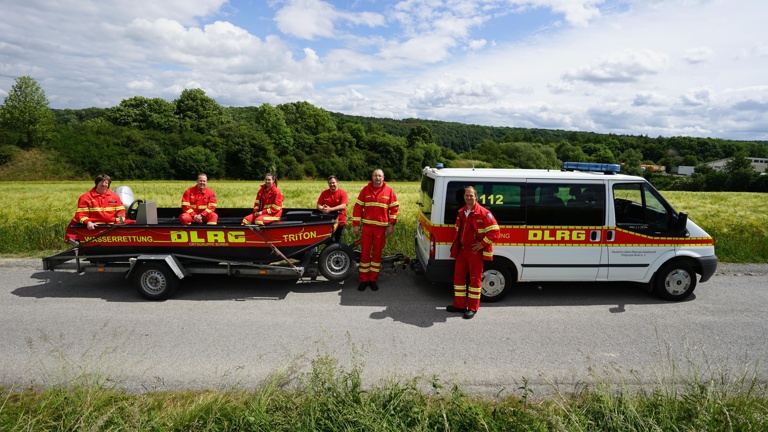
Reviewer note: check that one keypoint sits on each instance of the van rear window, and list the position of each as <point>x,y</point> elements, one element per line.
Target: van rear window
<point>504,200</point>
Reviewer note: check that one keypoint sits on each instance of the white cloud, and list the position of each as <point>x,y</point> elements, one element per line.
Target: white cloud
<point>624,66</point>
<point>309,19</point>
<point>698,55</point>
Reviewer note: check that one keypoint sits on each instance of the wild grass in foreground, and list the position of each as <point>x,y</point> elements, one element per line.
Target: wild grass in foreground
<point>330,398</point>
<point>35,214</point>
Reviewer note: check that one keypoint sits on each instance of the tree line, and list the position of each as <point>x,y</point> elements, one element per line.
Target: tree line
<point>151,138</point>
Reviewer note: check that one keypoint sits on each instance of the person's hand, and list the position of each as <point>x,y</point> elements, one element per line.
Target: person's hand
<point>356,230</point>
<point>477,246</point>
<point>91,226</point>
<point>390,230</point>
<point>198,218</point>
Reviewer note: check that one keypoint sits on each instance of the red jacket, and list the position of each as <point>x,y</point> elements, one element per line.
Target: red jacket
<point>333,199</point>
<point>195,202</point>
<point>269,202</point>
<point>99,208</point>
<point>375,206</point>
<point>479,225</point>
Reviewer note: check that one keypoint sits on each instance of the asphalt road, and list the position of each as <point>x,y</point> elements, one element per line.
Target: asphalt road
<point>219,332</point>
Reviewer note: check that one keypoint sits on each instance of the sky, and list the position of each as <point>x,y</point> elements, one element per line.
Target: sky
<point>639,67</point>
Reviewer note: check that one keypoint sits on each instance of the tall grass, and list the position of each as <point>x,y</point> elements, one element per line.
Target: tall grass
<point>35,214</point>
<point>330,398</point>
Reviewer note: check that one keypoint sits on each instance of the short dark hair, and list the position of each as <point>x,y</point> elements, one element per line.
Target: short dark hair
<point>274,177</point>
<point>330,177</point>
<point>100,178</point>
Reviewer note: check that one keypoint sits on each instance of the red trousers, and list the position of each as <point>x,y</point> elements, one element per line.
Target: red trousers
<point>472,263</point>
<point>208,218</point>
<point>373,238</point>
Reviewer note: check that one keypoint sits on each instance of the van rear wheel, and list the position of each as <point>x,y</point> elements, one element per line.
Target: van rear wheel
<point>675,281</point>
<point>497,281</point>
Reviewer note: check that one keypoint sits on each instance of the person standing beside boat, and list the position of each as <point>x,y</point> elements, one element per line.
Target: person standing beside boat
<point>198,204</point>
<point>97,206</point>
<point>268,205</point>
<point>334,199</point>
<point>376,210</point>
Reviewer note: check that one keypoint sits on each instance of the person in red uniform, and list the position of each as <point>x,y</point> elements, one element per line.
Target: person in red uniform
<point>376,210</point>
<point>476,230</point>
<point>198,204</point>
<point>97,206</point>
<point>334,199</point>
<point>268,205</point>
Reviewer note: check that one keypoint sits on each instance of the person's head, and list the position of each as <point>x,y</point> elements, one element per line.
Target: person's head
<point>378,178</point>
<point>470,196</point>
<point>202,180</point>
<point>102,183</point>
<point>333,183</point>
<point>269,180</point>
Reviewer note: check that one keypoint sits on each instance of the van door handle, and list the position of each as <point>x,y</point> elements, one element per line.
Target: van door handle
<point>610,234</point>
<point>594,235</point>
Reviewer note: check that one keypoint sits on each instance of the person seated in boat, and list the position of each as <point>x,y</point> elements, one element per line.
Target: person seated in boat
<point>268,205</point>
<point>334,199</point>
<point>198,203</point>
<point>95,207</point>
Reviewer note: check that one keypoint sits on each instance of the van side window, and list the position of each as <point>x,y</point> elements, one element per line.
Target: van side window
<point>504,200</point>
<point>566,204</point>
<point>640,208</point>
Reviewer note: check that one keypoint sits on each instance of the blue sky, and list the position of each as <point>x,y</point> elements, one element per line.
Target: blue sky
<point>651,67</point>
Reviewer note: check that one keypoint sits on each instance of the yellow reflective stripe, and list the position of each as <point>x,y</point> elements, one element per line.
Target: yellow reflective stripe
<point>359,202</point>
<point>375,264</point>
<point>487,254</point>
<point>375,204</point>
<point>365,265</point>
<point>485,239</point>
<point>185,203</point>
<point>394,204</point>
<point>271,218</point>
<point>473,296</point>
<point>82,220</point>
<point>353,219</point>
<point>373,222</point>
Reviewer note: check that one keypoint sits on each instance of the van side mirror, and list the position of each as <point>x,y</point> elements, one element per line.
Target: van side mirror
<point>680,223</point>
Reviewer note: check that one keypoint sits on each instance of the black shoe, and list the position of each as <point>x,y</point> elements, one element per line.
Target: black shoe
<point>362,286</point>
<point>469,314</point>
<point>374,286</point>
<point>454,309</point>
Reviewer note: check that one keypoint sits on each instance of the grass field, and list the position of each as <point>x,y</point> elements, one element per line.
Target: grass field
<point>35,214</point>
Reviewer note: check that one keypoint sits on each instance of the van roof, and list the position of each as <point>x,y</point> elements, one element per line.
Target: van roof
<point>487,173</point>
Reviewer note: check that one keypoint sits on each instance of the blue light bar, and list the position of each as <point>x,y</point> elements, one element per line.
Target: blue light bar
<point>588,166</point>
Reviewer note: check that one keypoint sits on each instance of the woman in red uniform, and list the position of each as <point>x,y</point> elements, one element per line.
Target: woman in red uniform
<point>97,206</point>
<point>268,205</point>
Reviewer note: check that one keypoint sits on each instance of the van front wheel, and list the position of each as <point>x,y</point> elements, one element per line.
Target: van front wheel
<point>675,281</point>
<point>497,281</point>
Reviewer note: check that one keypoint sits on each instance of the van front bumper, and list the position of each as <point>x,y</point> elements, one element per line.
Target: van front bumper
<point>708,267</point>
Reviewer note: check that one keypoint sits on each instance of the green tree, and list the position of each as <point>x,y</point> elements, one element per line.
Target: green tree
<point>144,113</point>
<point>27,114</point>
<point>631,159</point>
<point>272,121</point>
<point>198,112</point>
<point>420,134</point>
<point>193,160</point>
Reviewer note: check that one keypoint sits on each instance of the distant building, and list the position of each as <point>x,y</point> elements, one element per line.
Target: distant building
<point>758,164</point>
<point>653,168</point>
<point>684,170</point>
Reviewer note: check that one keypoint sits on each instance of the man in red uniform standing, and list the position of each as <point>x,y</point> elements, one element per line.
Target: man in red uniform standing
<point>97,206</point>
<point>334,199</point>
<point>268,205</point>
<point>376,210</point>
<point>198,204</point>
<point>476,229</point>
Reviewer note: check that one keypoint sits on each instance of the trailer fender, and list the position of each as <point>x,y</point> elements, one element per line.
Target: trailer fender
<point>173,263</point>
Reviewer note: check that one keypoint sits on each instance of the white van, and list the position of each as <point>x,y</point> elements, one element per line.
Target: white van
<point>584,223</point>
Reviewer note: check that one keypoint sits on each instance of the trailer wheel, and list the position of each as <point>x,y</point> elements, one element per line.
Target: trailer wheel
<point>497,281</point>
<point>335,262</point>
<point>675,281</point>
<point>155,281</point>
